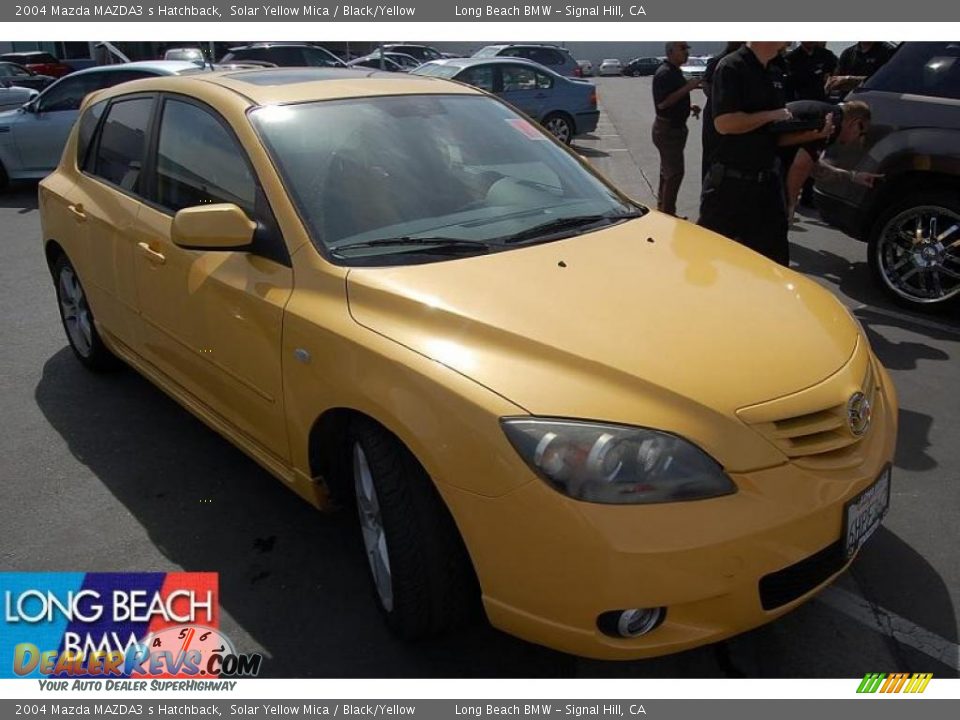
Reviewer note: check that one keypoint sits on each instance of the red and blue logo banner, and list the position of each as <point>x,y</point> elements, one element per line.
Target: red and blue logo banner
<point>68,625</point>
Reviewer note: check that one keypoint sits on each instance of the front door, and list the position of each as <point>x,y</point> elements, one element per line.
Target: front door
<point>212,320</point>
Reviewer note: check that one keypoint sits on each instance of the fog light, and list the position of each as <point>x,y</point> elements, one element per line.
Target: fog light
<point>630,623</point>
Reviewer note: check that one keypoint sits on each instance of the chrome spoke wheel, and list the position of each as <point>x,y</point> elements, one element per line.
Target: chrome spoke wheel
<point>76,313</point>
<point>371,527</point>
<point>918,254</point>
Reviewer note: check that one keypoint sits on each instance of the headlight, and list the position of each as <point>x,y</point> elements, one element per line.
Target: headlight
<point>616,464</point>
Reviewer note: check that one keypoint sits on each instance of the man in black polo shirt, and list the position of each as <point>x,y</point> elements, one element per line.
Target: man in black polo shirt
<point>857,63</point>
<point>811,64</point>
<point>743,193</point>
<point>671,97</point>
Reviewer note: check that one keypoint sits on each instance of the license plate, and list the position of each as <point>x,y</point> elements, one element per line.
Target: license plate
<point>864,513</point>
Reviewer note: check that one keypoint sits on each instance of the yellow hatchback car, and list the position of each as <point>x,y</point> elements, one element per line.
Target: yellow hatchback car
<point>626,435</point>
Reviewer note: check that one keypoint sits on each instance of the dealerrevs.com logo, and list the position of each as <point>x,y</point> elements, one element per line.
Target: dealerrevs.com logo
<point>116,626</point>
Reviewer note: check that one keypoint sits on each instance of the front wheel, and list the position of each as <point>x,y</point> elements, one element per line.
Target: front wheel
<point>560,126</point>
<point>914,250</point>
<point>422,576</point>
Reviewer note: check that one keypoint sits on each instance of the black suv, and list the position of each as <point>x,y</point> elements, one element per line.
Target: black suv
<point>911,218</point>
<point>284,55</point>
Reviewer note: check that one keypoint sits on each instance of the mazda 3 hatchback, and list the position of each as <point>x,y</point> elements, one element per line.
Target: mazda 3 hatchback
<point>618,433</point>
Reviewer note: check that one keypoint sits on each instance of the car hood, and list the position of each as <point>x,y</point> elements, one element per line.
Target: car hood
<point>650,307</point>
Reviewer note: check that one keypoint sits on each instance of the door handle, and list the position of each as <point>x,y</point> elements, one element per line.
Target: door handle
<point>152,255</point>
<point>77,211</point>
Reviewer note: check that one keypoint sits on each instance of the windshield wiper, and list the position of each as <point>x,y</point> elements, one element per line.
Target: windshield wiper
<point>418,244</point>
<point>547,229</point>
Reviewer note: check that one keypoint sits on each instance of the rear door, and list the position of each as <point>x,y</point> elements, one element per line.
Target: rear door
<point>523,87</point>
<point>212,319</point>
<point>112,141</point>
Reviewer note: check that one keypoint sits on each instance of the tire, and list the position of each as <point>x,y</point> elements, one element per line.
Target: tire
<point>78,321</point>
<point>4,179</point>
<point>422,577</point>
<point>560,126</point>
<point>910,251</point>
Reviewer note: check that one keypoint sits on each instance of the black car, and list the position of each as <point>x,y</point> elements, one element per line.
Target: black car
<point>12,74</point>
<point>911,217</point>
<point>284,55</point>
<point>641,66</point>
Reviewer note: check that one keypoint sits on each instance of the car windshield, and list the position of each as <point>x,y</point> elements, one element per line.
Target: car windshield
<point>373,172</point>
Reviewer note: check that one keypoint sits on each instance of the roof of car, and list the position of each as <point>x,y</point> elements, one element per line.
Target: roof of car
<point>495,60</point>
<point>285,85</point>
<point>251,46</point>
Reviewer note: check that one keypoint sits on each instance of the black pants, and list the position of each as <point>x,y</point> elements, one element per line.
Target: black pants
<point>752,213</point>
<point>670,141</point>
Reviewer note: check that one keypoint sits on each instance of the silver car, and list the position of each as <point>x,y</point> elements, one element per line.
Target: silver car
<point>32,136</point>
<point>13,96</point>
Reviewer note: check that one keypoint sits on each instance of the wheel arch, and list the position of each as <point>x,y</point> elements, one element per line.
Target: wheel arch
<point>900,185</point>
<point>52,250</point>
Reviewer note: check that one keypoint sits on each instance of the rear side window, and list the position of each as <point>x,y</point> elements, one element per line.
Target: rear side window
<point>287,56</point>
<point>199,161</point>
<point>122,141</point>
<point>921,68</point>
<point>481,77</point>
<point>86,128</point>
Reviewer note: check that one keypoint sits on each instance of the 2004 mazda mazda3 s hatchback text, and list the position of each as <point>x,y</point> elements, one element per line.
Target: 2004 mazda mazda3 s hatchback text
<point>626,435</point>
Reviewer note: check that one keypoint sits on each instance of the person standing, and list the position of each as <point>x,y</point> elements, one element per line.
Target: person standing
<point>857,63</point>
<point>671,98</point>
<point>708,137</point>
<point>743,194</point>
<point>810,65</point>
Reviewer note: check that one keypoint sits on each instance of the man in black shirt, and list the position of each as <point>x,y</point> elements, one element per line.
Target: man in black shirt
<point>811,64</point>
<point>709,134</point>
<point>857,63</point>
<point>743,193</point>
<point>671,97</point>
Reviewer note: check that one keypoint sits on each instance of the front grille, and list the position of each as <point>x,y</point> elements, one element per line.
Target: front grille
<point>784,586</point>
<point>820,439</point>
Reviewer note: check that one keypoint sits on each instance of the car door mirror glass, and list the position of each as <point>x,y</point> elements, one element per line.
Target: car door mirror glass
<point>221,226</point>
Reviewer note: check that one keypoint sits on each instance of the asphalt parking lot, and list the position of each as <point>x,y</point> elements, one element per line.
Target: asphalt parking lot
<point>105,473</point>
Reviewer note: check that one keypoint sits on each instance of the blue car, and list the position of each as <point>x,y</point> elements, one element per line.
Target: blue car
<point>32,136</point>
<point>564,106</point>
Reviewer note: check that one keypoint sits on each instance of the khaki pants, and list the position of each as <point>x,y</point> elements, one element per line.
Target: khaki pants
<point>670,141</point>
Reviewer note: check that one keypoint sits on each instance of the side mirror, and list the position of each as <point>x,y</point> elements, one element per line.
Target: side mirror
<point>223,226</point>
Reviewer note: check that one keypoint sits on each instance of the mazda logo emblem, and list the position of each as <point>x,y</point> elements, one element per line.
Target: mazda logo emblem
<point>859,413</point>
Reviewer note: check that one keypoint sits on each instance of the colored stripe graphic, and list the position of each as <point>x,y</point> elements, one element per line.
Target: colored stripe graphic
<point>897,682</point>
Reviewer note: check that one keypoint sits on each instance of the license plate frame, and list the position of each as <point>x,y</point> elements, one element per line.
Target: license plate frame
<point>864,513</point>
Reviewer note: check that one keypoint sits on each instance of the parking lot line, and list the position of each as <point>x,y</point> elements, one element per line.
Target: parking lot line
<point>892,625</point>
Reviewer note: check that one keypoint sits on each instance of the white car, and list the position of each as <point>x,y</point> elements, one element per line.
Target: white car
<point>14,97</point>
<point>586,68</point>
<point>694,68</point>
<point>611,66</point>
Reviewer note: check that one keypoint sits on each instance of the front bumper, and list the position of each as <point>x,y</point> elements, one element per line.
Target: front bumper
<point>550,565</point>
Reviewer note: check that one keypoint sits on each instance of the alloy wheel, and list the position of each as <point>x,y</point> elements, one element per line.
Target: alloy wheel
<point>76,312</point>
<point>918,254</point>
<point>371,527</point>
<point>560,129</point>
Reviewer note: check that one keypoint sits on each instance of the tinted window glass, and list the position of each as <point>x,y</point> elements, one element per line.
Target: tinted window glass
<point>516,77</point>
<point>320,58</point>
<point>545,56</point>
<point>67,94</point>
<point>921,68</point>
<point>544,82</point>
<point>287,56</point>
<point>481,77</point>
<point>199,162</point>
<point>122,140</point>
<point>88,124</point>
